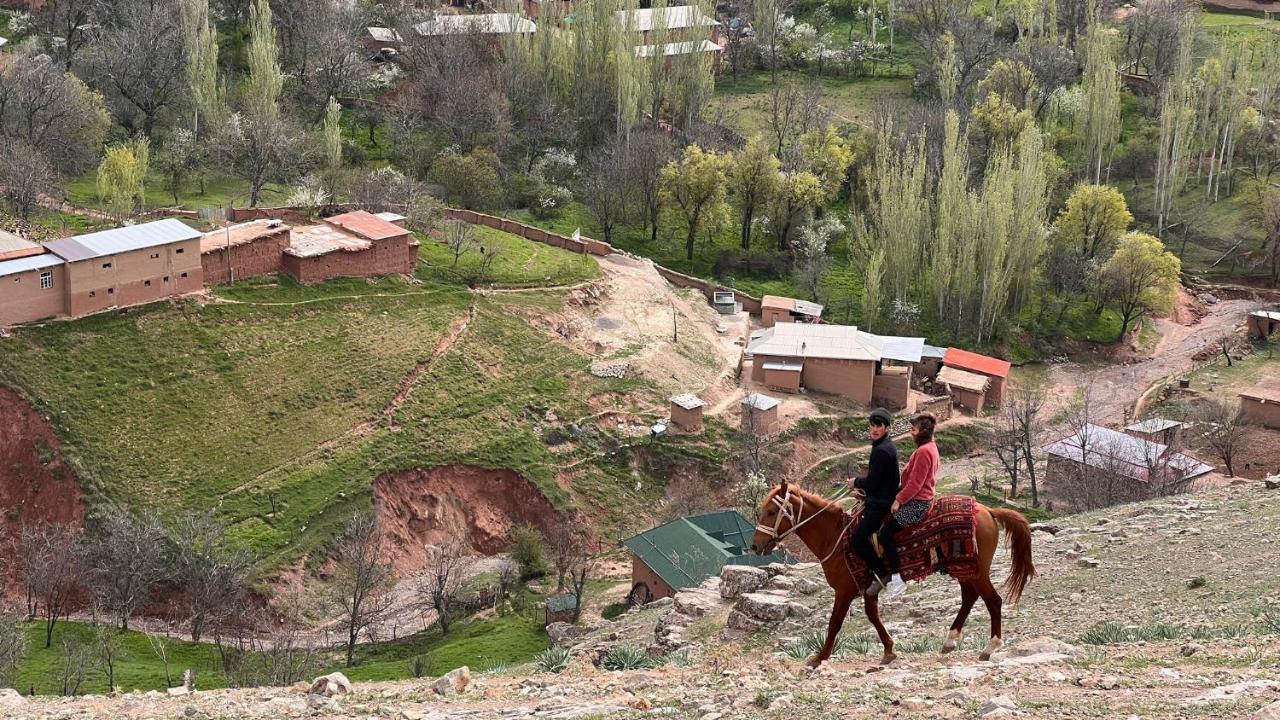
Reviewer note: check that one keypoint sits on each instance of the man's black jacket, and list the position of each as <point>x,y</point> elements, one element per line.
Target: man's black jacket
<point>881,481</point>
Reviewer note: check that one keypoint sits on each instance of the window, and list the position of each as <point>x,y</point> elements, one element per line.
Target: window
<point>166,278</point>
<point>93,293</point>
<point>111,291</point>
<point>155,256</point>
<point>46,279</point>
<point>106,265</point>
<point>146,283</point>
<point>184,274</point>
<point>179,250</point>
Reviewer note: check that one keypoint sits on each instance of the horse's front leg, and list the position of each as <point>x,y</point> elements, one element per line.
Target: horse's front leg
<point>838,611</point>
<point>872,606</point>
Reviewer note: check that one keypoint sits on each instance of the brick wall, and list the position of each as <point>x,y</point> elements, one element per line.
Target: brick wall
<point>640,572</point>
<point>262,256</point>
<point>23,300</point>
<point>892,388</point>
<point>940,406</point>
<point>1256,412</point>
<point>386,257</point>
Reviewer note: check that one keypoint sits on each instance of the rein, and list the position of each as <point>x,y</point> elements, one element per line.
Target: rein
<point>785,511</point>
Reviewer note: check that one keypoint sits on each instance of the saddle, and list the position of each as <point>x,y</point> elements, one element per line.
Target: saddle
<point>945,540</point>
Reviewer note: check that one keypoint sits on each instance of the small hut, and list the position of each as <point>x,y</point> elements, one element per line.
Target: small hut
<point>994,368</point>
<point>1263,324</point>
<point>686,412</point>
<point>1158,430</point>
<point>968,390</point>
<point>561,608</point>
<point>759,413</point>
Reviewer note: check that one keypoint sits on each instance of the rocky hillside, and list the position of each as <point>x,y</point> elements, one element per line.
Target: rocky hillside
<point>1164,609</point>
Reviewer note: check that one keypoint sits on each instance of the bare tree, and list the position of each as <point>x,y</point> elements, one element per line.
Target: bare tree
<point>319,47</point>
<point>648,152</point>
<point>160,647</point>
<point>459,237</point>
<point>126,562</point>
<point>26,176</point>
<point>508,573</point>
<point>1021,413</point>
<point>51,111</point>
<point>261,148</point>
<point>791,110</point>
<point>72,664</point>
<point>442,578</point>
<point>283,657</point>
<point>566,549</point>
<point>1225,433</point>
<point>52,560</point>
<point>66,22</point>
<point>604,187</point>
<point>211,573</point>
<point>579,571</point>
<point>483,270</point>
<point>13,646</point>
<point>362,579</point>
<point>106,651</point>
<point>138,60</point>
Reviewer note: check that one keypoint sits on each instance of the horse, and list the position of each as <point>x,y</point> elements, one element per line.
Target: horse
<point>820,523</point>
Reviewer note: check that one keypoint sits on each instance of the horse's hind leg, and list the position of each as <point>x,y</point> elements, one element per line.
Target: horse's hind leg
<point>838,611</point>
<point>992,598</point>
<point>872,606</point>
<point>968,596</point>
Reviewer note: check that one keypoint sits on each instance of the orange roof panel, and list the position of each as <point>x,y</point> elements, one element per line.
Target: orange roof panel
<point>973,362</point>
<point>367,225</point>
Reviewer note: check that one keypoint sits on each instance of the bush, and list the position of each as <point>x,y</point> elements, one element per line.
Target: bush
<point>1107,633</point>
<point>470,180</point>
<point>626,657</point>
<point>614,610</point>
<point>553,659</point>
<point>529,551</point>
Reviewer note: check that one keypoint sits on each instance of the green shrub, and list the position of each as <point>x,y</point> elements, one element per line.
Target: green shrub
<point>614,610</point>
<point>1159,631</point>
<point>626,657</point>
<point>553,659</point>
<point>1107,633</point>
<point>529,551</point>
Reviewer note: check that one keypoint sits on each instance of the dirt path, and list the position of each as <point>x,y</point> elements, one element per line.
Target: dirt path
<point>456,330</point>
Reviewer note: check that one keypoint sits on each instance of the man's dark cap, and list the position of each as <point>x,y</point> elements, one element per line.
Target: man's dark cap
<point>880,416</point>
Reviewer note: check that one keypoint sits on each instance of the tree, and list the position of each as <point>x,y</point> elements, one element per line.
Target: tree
<point>51,559</point>
<point>51,111</point>
<point>126,562</point>
<point>459,237</point>
<point>362,579</point>
<point>768,22</point>
<point>797,195</point>
<point>694,191</point>
<point>139,61</point>
<point>1093,220</point>
<point>753,178</point>
<point>565,548</point>
<point>1140,278</point>
<point>202,64</point>
<point>442,578</point>
<point>122,176</point>
<point>177,159</point>
<point>332,135</point>
<point>1016,433</point>
<point>1099,111</point>
<point>211,574</point>
<point>828,156</point>
<point>810,251</point>
<point>25,177</point>
<point>1226,432</point>
<point>1265,214</point>
<point>386,188</point>
<point>13,646</point>
<point>791,110</point>
<point>260,148</point>
<point>528,551</point>
<point>1177,126</point>
<point>107,651</point>
<point>470,180</point>
<point>873,298</point>
<point>648,152</point>
<point>265,81</point>
<point>68,23</point>
<point>604,188</point>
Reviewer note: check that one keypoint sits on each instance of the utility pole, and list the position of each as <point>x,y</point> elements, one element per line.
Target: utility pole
<point>675,329</point>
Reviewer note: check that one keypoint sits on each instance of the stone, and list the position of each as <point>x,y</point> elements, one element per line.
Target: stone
<point>916,704</point>
<point>1042,646</point>
<point>453,682</point>
<point>1235,691</point>
<point>1109,682</point>
<point>1270,712</point>
<point>1045,528</point>
<point>805,586</point>
<point>564,634</point>
<point>180,690</point>
<point>322,703</point>
<point>330,685</point>
<point>10,698</point>
<point>410,714</point>
<point>762,607</point>
<point>695,602</point>
<point>738,580</point>
<point>798,610</point>
<point>739,621</point>
<point>1190,649</point>
<point>1271,485</point>
<point>778,568</point>
<point>780,582</point>
<point>1087,562</point>
<point>966,675</point>
<point>659,603</point>
<point>998,706</point>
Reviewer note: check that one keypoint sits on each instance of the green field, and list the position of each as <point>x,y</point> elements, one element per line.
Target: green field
<point>219,191</point>
<point>852,102</point>
<point>1240,27</point>
<point>519,263</point>
<point>269,405</point>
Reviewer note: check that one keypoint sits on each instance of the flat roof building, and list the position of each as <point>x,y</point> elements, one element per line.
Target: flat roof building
<point>1260,405</point>
<point>836,359</point>
<point>686,412</point>
<point>775,309</point>
<point>994,368</point>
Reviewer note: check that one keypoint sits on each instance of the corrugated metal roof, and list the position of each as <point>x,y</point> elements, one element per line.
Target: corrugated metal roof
<point>562,603</point>
<point>688,401</point>
<point>31,262</point>
<point>669,18</point>
<point>804,307</point>
<point>367,225</point>
<point>1266,314</point>
<point>484,24</point>
<point>1153,425</point>
<point>392,217</point>
<point>687,551</point>
<point>933,352</point>
<point>759,402</point>
<point>677,48</point>
<point>807,340</point>
<point>954,377</point>
<point>974,362</point>
<point>902,349</point>
<point>788,367</point>
<point>1107,449</point>
<point>382,34</point>
<point>123,239</point>
<point>16,246</point>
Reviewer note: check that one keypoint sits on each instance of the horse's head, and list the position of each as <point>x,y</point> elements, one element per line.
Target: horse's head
<point>779,512</point>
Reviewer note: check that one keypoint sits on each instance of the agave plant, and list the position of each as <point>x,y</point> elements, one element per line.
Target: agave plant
<point>553,659</point>
<point>626,657</point>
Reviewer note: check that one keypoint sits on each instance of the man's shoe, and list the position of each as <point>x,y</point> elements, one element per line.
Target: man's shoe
<point>896,587</point>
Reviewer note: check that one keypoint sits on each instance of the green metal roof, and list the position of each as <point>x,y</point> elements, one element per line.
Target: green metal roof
<point>561,603</point>
<point>689,550</point>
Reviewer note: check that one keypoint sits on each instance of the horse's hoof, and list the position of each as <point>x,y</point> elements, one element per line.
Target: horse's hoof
<point>993,645</point>
<point>952,642</point>
<point>813,662</point>
<point>984,655</point>
<point>888,658</point>
<point>948,648</point>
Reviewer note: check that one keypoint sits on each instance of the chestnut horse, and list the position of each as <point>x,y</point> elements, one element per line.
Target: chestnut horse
<point>821,524</point>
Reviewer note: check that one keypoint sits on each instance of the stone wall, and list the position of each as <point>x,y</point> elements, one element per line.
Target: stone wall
<point>386,257</point>
<point>261,256</point>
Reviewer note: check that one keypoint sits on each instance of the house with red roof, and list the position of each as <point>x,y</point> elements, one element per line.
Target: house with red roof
<point>994,368</point>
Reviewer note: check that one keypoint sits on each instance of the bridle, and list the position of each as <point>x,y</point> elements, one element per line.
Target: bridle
<point>787,512</point>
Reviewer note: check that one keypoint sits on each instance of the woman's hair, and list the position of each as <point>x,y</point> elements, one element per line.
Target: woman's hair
<point>925,422</point>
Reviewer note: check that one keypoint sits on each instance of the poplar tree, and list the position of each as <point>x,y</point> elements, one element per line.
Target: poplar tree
<point>332,133</point>
<point>1177,127</point>
<point>202,63</point>
<point>1099,109</point>
<point>265,81</point>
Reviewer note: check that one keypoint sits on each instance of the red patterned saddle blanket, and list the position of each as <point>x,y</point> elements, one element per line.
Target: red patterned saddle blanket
<point>944,540</point>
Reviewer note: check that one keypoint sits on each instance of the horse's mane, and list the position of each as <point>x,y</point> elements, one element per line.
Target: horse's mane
<point>823,504</point>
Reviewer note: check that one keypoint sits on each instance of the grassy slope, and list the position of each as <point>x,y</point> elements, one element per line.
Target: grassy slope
<point>520,262</point>
<point>225,405</point>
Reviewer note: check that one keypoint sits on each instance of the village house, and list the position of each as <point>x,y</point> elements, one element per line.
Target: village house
<point>836,359</point>
<point>444,25</point>
<point>967,390</point>
<point>32,282</point>
<point>1261,406</point>
<point>686,412</point>
<point>775,309</point>
<point>685,552</point>
<point>129,265</point>
<point>1099,466</point>
<point>930,363</point>
<point>354,244</point>
<point>759,413</point>
<point>898,356</point>
<point>676,23</point>
<point>1263,323</point>
<point>1158,430</point>
<point>242,251</point>
<point>376,39</point>
<point>994,368</point>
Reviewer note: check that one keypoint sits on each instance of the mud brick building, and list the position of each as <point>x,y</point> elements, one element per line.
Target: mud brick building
<point>994,368</point>
<point>836,359</point>
<point>243,251</point>
<point>32,282</point>
<point>1261,406</point>
<point>355,244</point>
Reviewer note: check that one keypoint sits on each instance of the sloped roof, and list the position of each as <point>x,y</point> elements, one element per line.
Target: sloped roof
<point>383,34</point>
<point>902,349</point>
<point>122,240</point>
<point>1266,314</point>
<point>759,402</point>
<point>687,551</point>
<point>483,24</point>
<point>669,18</point>
<point>1107,449</point>
<point>367,225</point>
<point>677,48</point>
<point>562,603</point>
<point>778,302</point>
<point>15,246</point>
<point>1153,425</point>
<point>30,262</point>
<point>688,401</point>
<point>807,340</point>
<point>242,234</point>
<point>1264,393</point>
<point>974,362</point>
<point>317,240</point>
<point>973,382</point>
<point>933,351</point>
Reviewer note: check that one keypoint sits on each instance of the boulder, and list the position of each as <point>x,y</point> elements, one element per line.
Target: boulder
<point>738,580</point>
<point>1043,646</point>
<point>1045,528</point>
<point>775,569</point>
<point>695,602</point>
<point>762,607</point>
<point>564,634</point>
<point>1270,712</point>
<point>1087,562</point>
<point>998,706</point>
<point>805,586</point>
<point>11,699</point>
<point>330,685</point>
<point>180,690</point>
<point>454,682</point>
<point>781,582</point>
<point>739,621</point>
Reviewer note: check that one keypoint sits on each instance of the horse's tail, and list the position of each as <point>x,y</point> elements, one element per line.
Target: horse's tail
<point>1018,539</point>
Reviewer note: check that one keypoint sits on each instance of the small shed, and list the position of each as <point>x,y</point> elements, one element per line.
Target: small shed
<point>968,390</point>
<point>783,375</point>
<point>1261,405</point>
<point>1159,430</point>
<point>561,608</point>
<point>775,309</point>
<point>686,412</point>
<point>759,413</point>
<point>930,362</point>
<point>724,301</point>
<point>994,368</point>
<point>1263,323</point>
